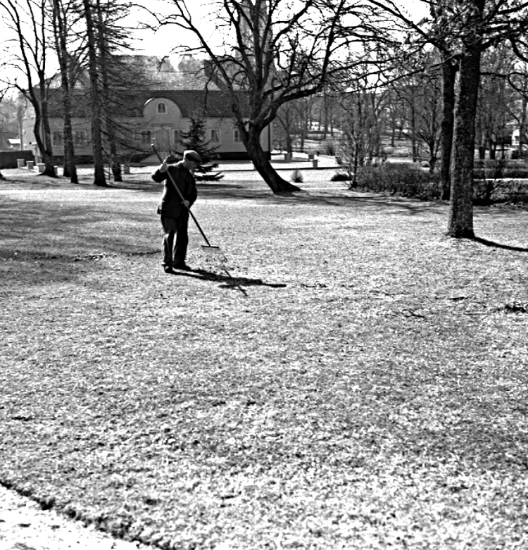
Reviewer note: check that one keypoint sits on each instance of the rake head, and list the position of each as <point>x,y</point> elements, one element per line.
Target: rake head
<point>214,253</point>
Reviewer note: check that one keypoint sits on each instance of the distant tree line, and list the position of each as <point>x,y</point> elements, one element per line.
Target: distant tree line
<point>82,38</point>
<point>450,82</point>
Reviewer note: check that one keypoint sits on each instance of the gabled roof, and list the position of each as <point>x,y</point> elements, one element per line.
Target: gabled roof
<point>186,81</point>
<point>206,103</point>
<point>203,103</point>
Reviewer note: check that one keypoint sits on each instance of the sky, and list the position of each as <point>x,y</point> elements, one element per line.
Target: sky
<point>147,41</point>
<point>161,42</point>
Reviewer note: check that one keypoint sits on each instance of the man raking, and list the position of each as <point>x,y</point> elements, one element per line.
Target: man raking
<point>173,210</point>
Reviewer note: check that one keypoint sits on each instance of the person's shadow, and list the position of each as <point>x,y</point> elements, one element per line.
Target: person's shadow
<point>227,280</point>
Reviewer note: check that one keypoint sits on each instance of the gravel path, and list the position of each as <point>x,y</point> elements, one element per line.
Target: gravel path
<point>25,526</point>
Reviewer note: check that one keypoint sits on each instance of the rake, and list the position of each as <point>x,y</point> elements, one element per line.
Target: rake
<point>208,247</point>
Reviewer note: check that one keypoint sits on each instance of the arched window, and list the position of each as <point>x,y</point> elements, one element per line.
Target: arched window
<point>162,108</point>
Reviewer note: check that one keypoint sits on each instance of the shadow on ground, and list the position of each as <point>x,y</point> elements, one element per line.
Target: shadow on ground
<point>227,280</point>
<point>493,244</point>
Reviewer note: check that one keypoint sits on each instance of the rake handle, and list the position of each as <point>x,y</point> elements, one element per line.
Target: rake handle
<point>182,197</point>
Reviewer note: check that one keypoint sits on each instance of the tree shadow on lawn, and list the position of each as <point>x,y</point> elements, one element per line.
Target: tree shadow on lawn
<point>229,281</point>
<point>44,232</point>
<point>493,244</point>
<point>337,197</point>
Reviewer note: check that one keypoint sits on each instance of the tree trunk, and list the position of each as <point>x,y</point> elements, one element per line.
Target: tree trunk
<point>461,206</point>
<point>432,163</point>
<point>448,122</point>
<point>43,142</point>
<point>116,167</point>
<point>289,142</point>
<point>106,96</point>
<point>70,168</point>
<point>95,103</point>
<point>263,165</point>
<point>522,125</point>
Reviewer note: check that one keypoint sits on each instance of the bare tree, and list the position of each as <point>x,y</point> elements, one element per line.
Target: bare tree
<point>2,178</point>
<point>496,101</point>
<point>64,18</point>
<point>462,31</point>
<point>114,74</point>
<point>288,120</point>
<point>416,88</point>
<point>327,112</point>
<point>95,97</point>
<point>473,17</point>
<point>27,21</point>
<point>277,52</point>
<point>518,109</point>
<point>362,105</point>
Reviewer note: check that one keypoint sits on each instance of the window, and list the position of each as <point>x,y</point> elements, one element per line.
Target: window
<point>176,137</point>
<point>146,137</point>
<point>162,108</point>
<point>215,136</point>
<point>79,138</point>
<point>57,138</point>
<point>237,135</point>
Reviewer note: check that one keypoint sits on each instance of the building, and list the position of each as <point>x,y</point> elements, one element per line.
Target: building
<point>157,111</point>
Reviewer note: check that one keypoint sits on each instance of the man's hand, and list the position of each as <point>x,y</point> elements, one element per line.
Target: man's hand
<point>163,167</point>
<point>187,204</point>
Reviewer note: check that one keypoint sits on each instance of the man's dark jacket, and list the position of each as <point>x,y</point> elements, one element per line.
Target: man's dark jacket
<point>171,204</point>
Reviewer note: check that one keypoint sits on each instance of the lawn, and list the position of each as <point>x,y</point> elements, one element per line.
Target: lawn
<point>360,383</point>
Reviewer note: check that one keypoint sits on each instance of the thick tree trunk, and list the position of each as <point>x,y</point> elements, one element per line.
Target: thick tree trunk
<point>43,142</point>
<point>448,121</point>
<point>263,165</point>
<point>70,168</point>
<point>461,206</point>
<point>95,102</point>
<point>116,169</point>
<point>106,96</point>
<point>289,143</point>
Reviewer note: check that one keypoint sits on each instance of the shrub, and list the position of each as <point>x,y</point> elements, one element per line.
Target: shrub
<point>500,169</point>
<point>515,154</point>
<point>489,191</point>
<point>499,181</point>
<point>329,148</point>
<point>297,177</point>
<point>399,179</point>
<point>341,176</point>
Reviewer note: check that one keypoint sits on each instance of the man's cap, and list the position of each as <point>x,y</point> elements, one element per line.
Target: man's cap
<point>191,155</point>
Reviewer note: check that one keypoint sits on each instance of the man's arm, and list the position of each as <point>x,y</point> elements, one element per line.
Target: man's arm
<point>160,174</point>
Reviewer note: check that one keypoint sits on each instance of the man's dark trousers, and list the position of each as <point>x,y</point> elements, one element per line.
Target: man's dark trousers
<point>175,229</point>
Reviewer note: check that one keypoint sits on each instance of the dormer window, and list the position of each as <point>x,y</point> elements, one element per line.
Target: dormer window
<point>162,108</point>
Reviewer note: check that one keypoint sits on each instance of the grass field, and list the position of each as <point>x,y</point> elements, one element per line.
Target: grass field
<point>360,383</point>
